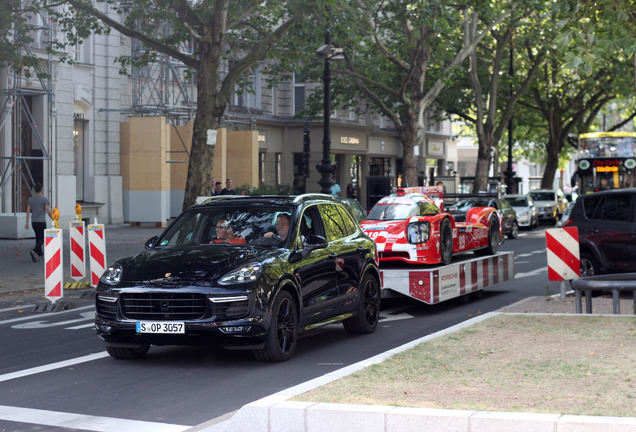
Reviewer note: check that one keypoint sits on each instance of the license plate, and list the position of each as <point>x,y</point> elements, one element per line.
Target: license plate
<point>171,327</point>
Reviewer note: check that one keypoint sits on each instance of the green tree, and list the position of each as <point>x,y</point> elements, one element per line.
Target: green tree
<point>398,57</point>
<point>498,73</point>
<point>589,64</point>
<point>235,34</point>
<point>15,32</point>
<point>406,54</point>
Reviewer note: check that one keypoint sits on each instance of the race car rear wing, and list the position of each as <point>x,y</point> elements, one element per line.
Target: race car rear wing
<point>436,193</point>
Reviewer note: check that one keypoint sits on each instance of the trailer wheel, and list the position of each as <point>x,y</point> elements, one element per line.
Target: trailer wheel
<point>446,242</point>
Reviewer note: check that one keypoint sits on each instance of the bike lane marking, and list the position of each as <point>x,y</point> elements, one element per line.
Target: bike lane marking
<point>82,421</point>
<point>53,366</point>
<point>39,316</point>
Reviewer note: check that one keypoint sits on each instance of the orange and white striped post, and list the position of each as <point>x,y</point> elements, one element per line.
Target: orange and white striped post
<point>77,245</point>
<point>53,288</point>
<point>97,251</point>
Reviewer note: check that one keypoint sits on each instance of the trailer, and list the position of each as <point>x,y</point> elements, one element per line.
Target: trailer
<point>466,274</point>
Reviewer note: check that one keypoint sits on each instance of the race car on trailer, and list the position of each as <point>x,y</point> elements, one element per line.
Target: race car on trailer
<point>411,226</point>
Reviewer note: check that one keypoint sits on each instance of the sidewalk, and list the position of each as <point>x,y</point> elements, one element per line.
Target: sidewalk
<point>18,272</point>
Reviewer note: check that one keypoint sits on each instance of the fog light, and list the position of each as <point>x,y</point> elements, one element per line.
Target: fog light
<point>235,329</point>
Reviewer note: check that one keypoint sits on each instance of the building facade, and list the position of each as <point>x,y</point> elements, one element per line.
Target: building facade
<point>73,132</point>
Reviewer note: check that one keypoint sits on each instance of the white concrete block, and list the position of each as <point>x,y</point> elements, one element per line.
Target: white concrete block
<point>288,416</point>
<point>250,418</point>
<point>324,417</point>
<point>487,421</point>
<point>571,423</point>
<point>402,419</point>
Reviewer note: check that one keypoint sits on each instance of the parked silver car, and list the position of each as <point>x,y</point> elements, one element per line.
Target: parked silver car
<point>527,211</point>
<point>551,203</point>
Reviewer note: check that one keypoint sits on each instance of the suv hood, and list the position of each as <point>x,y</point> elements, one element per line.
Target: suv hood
<point>189,263</point>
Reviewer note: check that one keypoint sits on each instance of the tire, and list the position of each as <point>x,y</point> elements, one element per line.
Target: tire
<point>589,265</point>
<point>515,230</point>
<point>536,223</point>
<point>368,312</point>
<point>125,353</point>
<point>445,242</point>
<point>282,335</point>
<point>493,238</point>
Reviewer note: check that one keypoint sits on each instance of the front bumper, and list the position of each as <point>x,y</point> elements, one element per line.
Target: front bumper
<point>210,316</point>
<point>547,213</point>
<point>246,333</point>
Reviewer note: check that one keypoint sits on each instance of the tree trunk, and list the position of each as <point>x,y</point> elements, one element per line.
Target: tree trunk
<point>408,138</point>
<point>551,165</point>
<point>209,113</point>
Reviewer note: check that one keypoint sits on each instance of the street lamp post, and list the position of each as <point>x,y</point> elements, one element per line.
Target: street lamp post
<point>510,174</point>
<point>326,168</point>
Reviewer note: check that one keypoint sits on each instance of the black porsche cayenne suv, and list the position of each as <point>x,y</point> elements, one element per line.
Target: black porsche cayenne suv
<point>244,273</point>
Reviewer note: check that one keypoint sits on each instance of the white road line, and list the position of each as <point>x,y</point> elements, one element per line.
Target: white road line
<point>83,422</point>
<point>51,314</point>
<point>81,326</point>
<point>535,272</point>
<point>17,307</point>
<point>53,366</point>
<point>541,251</point>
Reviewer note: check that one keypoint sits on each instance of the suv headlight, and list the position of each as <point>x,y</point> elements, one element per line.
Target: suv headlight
<point>418,232</point>
<point>112,275</point>
<point>245,274</point>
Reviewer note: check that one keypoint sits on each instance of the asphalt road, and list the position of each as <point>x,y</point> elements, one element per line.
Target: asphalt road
<point>56,376</point>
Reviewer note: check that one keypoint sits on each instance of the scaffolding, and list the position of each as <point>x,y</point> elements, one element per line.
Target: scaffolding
<point>165,87</point>
<point>29,159</point>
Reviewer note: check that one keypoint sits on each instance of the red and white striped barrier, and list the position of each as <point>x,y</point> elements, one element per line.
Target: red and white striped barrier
<point>97,252</point>
<point>77,245</point>
<point>563,253</point>
<point>437,284</point>
<point>53,288</point>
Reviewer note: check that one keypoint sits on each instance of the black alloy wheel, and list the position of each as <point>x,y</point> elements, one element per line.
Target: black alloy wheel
<point>282,335</point>
<point>368,313</point>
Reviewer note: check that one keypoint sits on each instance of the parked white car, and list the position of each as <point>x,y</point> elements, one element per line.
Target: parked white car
<point>527,211</point>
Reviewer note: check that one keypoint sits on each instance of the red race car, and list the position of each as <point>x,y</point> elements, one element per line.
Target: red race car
<point>411,226</point>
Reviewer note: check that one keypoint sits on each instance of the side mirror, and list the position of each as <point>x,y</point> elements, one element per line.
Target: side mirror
<point>150,243</point>
<point>313,242</point>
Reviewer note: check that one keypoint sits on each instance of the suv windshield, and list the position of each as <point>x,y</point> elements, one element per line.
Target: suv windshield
<point>543,196</point>
<point>230,225</point>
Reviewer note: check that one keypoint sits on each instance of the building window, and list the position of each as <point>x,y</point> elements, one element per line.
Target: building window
<point>299,93</point>
<point>278,169</point>
<point>274,101</point>
<point>261,167</point>
<point>380,166</point>
<point>247,93</point>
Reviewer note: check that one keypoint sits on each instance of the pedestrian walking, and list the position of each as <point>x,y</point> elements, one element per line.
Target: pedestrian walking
<point>335,189</point>
<point>38,207</point>
<point>228,188</point>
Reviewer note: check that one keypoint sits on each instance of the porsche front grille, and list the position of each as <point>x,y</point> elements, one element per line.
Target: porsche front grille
<point>165,306</point>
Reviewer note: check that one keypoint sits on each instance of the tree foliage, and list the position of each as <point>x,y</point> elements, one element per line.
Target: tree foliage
<point>218,39</point>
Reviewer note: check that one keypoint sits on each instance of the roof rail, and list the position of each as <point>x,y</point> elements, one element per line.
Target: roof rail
<point>211,198</point>
<point>307,196</point>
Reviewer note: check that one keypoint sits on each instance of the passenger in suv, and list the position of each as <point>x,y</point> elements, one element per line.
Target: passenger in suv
<point>193,286</point>
<point>551,203</point>
<point>606,222</point>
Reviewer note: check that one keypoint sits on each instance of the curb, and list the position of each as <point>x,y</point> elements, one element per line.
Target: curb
<point>275,413</point>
